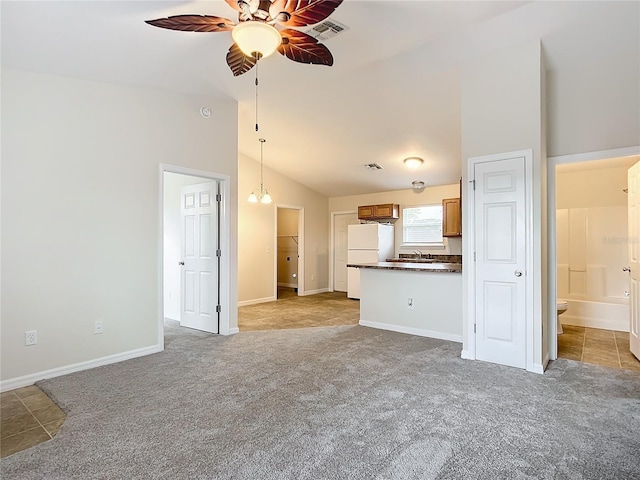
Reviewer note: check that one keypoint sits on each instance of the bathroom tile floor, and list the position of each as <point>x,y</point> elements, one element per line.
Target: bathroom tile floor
<point>601,347</point>
<point>28,417</point>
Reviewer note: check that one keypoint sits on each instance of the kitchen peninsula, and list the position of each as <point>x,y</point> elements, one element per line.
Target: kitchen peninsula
<point>422,299</point>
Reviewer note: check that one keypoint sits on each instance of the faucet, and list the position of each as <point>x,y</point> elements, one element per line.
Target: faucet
<point>418,253</point>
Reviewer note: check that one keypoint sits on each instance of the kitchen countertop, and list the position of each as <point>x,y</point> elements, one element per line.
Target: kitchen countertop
<point>412,266</point>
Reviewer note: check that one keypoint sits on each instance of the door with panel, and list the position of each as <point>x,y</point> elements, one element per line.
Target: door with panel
<point>633,186</point>
<point>200,253</point>
<point>500,250</point>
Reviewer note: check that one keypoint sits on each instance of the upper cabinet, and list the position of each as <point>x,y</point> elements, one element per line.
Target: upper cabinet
<point>451,217</point>
<point>386,211</point>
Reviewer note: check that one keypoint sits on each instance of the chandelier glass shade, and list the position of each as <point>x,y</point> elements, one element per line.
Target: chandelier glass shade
<point>254,36</point>
<point>260,195</point>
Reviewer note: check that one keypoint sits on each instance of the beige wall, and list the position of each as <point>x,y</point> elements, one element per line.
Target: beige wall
<point>405,198</point>
<point>257,233</point>
<point>81,213</point>
<point>503,111</point>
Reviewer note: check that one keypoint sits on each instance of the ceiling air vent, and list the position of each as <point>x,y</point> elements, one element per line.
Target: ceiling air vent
<point>325,30</point>
<point>373,166</point>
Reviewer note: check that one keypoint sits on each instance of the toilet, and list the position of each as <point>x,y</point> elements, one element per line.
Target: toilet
<point>561,306</point>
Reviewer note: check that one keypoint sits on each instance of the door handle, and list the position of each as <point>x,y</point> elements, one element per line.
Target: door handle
<point>626,269</point>
<point>518,273</point>
<point>180,263</point>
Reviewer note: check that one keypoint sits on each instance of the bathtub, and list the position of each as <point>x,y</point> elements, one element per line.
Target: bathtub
<point>584,313</point>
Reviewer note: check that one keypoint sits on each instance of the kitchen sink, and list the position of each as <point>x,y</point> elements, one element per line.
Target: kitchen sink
<point>413,260</point>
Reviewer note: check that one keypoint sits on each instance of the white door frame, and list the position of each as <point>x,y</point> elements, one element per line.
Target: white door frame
<point>225,215</point>
<point>301,249</point>
<point>552,256</point>
<point>332,245</point>
<point>469,270</point>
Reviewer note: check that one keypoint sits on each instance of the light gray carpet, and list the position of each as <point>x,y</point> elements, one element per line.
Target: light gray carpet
<point>336,403</point>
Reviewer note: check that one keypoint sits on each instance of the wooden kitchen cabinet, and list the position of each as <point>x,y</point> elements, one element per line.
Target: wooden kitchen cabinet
<point>383,211</point>
<point>451,217</point>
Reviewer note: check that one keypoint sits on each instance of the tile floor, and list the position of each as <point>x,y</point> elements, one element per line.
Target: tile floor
<point>29,417</point>
<point>600,347</point>
<point>291,311</point>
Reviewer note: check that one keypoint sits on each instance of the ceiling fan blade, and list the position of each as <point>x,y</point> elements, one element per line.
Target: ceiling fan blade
<point>194,23</point>
<point>238,62</point>
<point>234,4</point>
<point>303,48</point>
<point>304,12</point>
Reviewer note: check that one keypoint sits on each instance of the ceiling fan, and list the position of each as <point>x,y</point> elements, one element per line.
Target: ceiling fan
<point>256,36</point>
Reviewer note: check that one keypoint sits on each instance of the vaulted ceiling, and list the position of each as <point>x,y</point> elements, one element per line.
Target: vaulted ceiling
<point>393,92</point>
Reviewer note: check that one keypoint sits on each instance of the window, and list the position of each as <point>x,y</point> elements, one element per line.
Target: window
<point>422,225</point>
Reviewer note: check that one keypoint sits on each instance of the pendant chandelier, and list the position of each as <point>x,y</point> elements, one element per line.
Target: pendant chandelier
<point>262,195</point>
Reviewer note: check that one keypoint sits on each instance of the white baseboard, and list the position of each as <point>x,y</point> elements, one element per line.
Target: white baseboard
<point>413,331</point>
<point>232,331</point>
<point>18,382</point>
<point>537,368</point>
<point>466,355</point>
<point>255,301</point>
<point>313,292</point>
<point>621,325</point>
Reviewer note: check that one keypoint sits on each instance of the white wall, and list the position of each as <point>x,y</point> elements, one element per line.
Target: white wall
<point>173,183</point>
<point>405,198</point>
<point>257,233</point>
<point>80,211</point>
<point>593,94</point>
<point>503,111</point>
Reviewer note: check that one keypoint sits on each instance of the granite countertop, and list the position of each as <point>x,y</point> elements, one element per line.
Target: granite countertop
<point>412,266</point>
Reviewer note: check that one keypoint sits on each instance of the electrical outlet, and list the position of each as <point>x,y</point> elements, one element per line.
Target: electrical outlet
<point>313,277</point>
<point>97,327</point>
<point>31,337</point>
<point>410,303</point>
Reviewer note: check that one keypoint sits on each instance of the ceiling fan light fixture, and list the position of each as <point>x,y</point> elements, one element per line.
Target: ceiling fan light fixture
<point>255,36</point>
<point>413,162</point>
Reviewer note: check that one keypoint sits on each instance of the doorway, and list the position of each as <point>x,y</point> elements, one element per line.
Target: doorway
<point>289,258</point>
<point>206,302</point>
<point>287,251</point>
<point>592,246</point>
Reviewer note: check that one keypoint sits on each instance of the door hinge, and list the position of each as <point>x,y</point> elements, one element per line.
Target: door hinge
<point>218,197</point>
<point>474,256</point>
<point>218,308</point>
<point>473,182</point>
<point>218,253</point>
<point>474,328</point>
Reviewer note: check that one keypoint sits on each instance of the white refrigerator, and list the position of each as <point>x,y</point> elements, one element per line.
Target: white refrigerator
<point>366,243</point>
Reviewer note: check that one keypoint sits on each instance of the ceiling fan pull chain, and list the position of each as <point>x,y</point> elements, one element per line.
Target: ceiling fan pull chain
<point>257,93</point>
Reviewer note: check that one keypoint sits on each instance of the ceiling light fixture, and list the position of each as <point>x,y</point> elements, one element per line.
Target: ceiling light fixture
<point>263,195</point>
<point>417,185</point>
<point>413,162</point>
<point>256,39</point>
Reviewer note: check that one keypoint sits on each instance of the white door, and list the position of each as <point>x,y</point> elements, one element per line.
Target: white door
<point>500,247</point>
<point>633,186</point>
<point>198,249</point>
<point>340,226</point>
